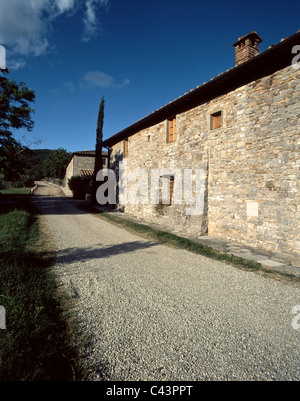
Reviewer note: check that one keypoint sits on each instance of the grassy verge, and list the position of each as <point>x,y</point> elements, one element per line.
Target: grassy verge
<point>39,342</point>
<point>15,191</point>
<point>177,241</point>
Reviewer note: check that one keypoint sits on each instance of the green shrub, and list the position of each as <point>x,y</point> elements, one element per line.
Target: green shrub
<point>77,186</point>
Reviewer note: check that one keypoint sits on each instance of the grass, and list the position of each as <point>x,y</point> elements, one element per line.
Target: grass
<point>40,341</point>
<point>177,241</point>
<point>15,191</point>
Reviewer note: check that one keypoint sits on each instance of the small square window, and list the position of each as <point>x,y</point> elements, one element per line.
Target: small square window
<point>216,120</point>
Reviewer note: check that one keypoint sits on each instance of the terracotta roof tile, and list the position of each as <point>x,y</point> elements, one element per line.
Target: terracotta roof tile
<point>86,174</point>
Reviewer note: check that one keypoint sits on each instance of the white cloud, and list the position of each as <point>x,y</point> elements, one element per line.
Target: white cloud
<point>26,25</point>
<point>64,5</point>
<point>22,27</point>
<point>17,64</point>
<point>98,78</point>
<point>68,87</point>
<point>90,20</point>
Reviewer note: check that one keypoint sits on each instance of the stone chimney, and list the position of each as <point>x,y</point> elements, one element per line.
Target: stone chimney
<point>246,47</point>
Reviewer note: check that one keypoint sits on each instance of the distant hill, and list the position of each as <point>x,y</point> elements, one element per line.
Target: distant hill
<point>41,154</point>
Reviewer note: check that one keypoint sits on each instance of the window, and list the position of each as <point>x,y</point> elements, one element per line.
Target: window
<point>126,147</point>
<point>216,120</point>
<point>171,188</point>
<point>166,189</point>
<point>171,129</point>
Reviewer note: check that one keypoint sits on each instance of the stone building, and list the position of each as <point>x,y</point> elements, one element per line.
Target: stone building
<point>82,163</point>
<point>241,129</point>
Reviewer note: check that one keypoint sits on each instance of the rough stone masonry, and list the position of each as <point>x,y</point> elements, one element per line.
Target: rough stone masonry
<point>251,163</point>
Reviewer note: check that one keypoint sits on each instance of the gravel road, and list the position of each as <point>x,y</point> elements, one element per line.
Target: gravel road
<point>152,312</point>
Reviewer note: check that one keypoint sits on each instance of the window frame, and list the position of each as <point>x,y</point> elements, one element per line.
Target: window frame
<point>171,188</point>
<point>217,113</point>
<point>174,128</point>
<point>170,185</point>
<point>125,147</point>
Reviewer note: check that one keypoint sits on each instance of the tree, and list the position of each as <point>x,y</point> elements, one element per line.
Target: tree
<point>98,153</point>
<point>24,171</point>
<point>15,113</point>
<point>55,163</point>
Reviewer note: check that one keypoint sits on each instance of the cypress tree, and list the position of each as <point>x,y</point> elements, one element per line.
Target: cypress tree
<point>98,153</point>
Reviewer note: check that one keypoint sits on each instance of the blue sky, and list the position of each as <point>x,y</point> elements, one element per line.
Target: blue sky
<point>138,54</point>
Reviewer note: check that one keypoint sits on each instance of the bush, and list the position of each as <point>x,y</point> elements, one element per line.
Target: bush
<point>23,181</point>
<point>77,186</point>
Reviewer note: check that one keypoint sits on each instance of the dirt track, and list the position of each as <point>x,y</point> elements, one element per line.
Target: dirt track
<point>45,189</point>
<point>150,312</point>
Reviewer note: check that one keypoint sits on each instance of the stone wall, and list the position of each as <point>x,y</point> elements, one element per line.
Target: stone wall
<point>83,163</point>
<point>251,164</point>
<point>68,174</point>
<point>76,164</point>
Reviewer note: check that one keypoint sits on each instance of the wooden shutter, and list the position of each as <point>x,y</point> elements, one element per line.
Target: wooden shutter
<point>171,188</point>
<point>171,139</point>
<point>126,147</point>
<point>171,129</point>
<point>174,128</point>
<point>216,120</point>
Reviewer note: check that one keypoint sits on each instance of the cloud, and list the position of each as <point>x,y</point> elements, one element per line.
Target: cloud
<point>92,79</point>
<point>90,20</point>
<point>26,25</point>
<point>98,78</point>
<point>64,5</point>
<point>17,64</point>
<point>65,87</point>
<point>22,26</point>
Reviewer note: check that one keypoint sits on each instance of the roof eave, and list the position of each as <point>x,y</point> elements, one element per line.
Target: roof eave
<point>271,60</point>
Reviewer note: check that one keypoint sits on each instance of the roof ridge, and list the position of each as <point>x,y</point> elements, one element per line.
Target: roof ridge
<point>226,75</point>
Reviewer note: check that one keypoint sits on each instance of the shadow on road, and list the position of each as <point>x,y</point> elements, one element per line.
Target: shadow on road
<point>52,200</point>
<point>75,254</point>
<point>56,205</point>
